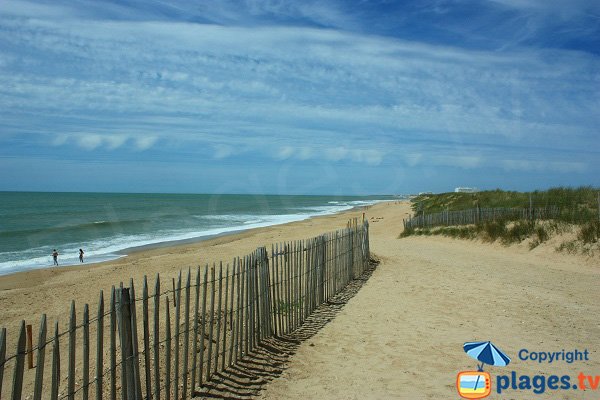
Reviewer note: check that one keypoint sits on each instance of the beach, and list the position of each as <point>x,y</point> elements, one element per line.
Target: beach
<point>401,335</point>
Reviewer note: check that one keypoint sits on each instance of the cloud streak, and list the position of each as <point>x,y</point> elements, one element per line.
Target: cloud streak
<point>122,82</point>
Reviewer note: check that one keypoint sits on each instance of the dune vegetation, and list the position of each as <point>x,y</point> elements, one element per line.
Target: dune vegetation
<point>578,221</point>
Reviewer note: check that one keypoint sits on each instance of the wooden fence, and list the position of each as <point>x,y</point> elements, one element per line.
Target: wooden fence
<point>479,215</point>
<point>169,343</point>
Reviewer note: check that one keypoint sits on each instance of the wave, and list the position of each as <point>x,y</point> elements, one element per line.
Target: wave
<point>111,247</point>
<point>75,227</point>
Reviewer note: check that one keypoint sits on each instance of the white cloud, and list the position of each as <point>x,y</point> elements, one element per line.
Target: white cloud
<point>285,152</point>
<point>289,92</point>
<point>369,156</point>
<point>336,153</point>
<point>304,153</point>
<point>93,141</point>
<point>544,166</point>
<point>89,141</point>
<point>115,141</point>
<point>223,151</point>
<point>145,142</point>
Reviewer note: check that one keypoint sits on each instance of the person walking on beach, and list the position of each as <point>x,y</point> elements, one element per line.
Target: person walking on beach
<point>55,257</point>
<point>80,255</point>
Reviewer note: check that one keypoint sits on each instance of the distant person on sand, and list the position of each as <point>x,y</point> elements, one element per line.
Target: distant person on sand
<point>81,255</point>
<point>55,257</point>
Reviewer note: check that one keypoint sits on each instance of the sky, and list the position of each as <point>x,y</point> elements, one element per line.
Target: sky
<point>298,97</point>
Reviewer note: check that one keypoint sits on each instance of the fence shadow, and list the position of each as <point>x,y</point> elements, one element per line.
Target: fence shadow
<point>249,375</point>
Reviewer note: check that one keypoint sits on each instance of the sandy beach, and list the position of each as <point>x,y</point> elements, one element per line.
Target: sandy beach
<point>401,335</point>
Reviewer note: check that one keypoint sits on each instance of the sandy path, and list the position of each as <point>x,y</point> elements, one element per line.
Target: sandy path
<point>401,336</point>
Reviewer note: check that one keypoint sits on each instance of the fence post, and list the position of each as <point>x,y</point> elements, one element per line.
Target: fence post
<point>530,208</point>
<point>125,336</point>
<point>19,365</point>
<point>29,346</point>
<point>2,355</point>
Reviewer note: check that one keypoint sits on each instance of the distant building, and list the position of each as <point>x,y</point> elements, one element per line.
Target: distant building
<point>465,190</point>
<point>422,193</point>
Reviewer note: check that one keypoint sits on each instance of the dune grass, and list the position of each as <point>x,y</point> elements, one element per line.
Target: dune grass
<point>578,212</point>
<point>576,204</point>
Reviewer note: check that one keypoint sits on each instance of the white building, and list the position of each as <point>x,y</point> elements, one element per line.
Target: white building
<point>465,190</point>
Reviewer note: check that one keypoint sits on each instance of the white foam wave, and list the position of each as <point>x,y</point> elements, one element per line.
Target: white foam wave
<point>108,249</point>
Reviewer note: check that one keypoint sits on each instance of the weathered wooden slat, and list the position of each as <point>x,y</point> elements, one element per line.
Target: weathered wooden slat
<point>217,341</point>
<point>273,292</point>
<point>212,322</point>
<point>55,364</point>
<point>29,346</point>
<point>156,338</point>
<point>118,302</point>
<point>195,341</point>
<point>232,328</point>
<point>267,292</point>
<point>113,344</point>
<point>266,313</point>
<point>134,341</point>
<point>186,340</point>
<point>243,324</point>
<point>251,314</point>
<point>260,325</point>
<point>41,357</point>
<point>203,330</point>
<point>295,285</point>
<point>128,388</point>
<point>299,281</point>
<point>238,312</point>
<point>288,301</point>
<point>167,350</point>
<point>86,352</point>
<point>72,343</point>
<point>146,337</point>
<point>2,356</point>
<point>258,299</point>
<point>100,348</point>
<point>280,266</point>
<point>177,334</point>
<point>19,364</point>
<point>308,280</point>
<point>225,315</point>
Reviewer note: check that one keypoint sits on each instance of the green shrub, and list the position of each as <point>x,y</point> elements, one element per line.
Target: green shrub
<point>541,234</point>
<point>520,231</point>
<point>494,230</point>
<point>590,232</point>
<point>570,247</point>
<point>407,232</point>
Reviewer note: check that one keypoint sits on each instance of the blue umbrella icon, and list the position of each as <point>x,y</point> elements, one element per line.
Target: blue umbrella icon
<point>487,353</point>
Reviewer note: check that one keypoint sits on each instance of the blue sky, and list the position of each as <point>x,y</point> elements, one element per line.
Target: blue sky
<point>276,96</point>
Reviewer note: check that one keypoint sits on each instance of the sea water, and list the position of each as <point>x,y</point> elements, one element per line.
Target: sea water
<point>105,225</point>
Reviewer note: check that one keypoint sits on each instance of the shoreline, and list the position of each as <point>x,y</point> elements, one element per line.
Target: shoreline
<point>27,295</point>
<point>127,251</point>
<point>168,246</point>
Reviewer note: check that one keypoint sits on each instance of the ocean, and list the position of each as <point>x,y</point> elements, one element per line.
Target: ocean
<point>106,225</point>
